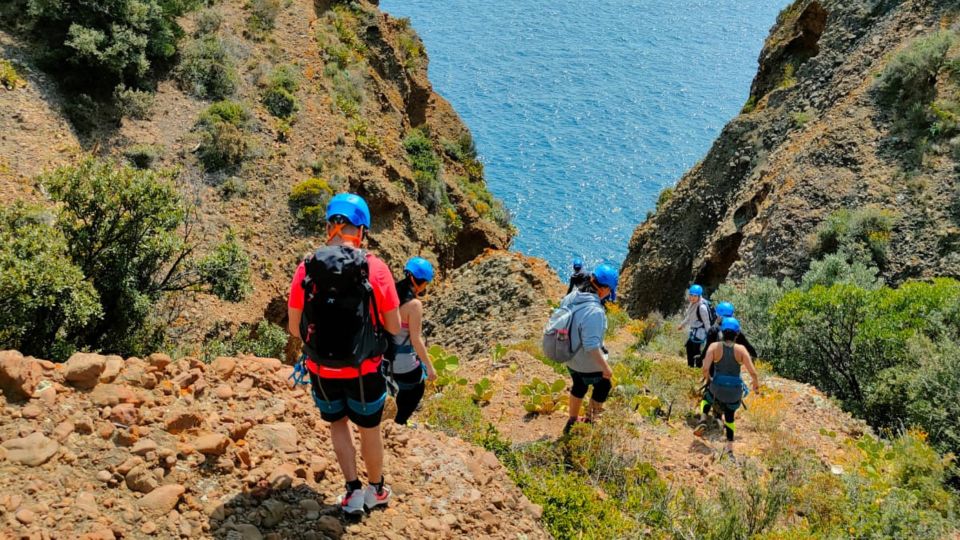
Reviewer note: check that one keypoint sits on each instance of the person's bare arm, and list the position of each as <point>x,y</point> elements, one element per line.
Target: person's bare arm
<point>597,355</point>
<point>391,321</point>
<point>708,360</point>
<point>293,325</point>
<point>415,324</point>
<point>747,362</point>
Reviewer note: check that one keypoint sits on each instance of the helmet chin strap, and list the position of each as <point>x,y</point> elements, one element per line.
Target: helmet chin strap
<point>418,290</point>
<point>356,240</point>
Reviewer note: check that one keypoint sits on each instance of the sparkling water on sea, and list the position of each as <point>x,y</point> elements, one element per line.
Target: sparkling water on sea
<point>583,111</point>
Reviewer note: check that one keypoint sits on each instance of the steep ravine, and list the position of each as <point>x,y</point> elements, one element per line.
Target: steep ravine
<point>811,140</point>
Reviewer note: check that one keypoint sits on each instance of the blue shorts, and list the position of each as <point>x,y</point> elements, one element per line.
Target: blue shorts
<point>360,399</point>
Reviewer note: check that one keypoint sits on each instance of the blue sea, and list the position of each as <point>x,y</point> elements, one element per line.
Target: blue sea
<point>583,111</point>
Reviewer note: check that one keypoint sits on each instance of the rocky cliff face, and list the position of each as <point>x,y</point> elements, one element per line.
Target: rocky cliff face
<point>812,140</point>
<point>349,132</point>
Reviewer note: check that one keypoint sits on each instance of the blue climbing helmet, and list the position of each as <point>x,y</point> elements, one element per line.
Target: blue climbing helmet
<point>606,276</point>
<point>420,269</point>
<point>352,207</point>
<point>695,290</point>
<point>730,324</point>
<point>577,263</point>
<point>725,309</point>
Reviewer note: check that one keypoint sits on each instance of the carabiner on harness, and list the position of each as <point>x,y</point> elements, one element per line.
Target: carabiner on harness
<point>300,373</point>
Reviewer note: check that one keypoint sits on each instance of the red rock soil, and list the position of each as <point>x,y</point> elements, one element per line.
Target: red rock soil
<point>100,447</point>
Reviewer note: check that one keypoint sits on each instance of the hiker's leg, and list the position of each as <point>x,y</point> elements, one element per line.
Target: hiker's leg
<point>729,426</point>
<point>693,349</point>
<point>601,390</point>
<point>410,394</point>
<point>365,400</point>
<point>371,449</point>
<point>344,449</point>
<point>577,393</point>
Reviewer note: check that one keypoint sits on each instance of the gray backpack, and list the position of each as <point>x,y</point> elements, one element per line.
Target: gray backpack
<point>557,336</point>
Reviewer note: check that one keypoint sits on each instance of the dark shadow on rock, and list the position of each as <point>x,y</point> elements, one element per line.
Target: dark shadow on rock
<point>290,512</point>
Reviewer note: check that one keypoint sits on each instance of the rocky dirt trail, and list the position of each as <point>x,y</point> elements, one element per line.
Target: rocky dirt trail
<point>102,447</point>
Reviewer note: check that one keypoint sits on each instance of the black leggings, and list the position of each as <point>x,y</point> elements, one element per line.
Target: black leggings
<point>694,358</point>
<point>728,415</point>
<point>582,381</point>
<point>409,396</point>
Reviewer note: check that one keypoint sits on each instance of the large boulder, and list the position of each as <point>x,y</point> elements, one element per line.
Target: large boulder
<point>19,376</point>
<point>83,370</point>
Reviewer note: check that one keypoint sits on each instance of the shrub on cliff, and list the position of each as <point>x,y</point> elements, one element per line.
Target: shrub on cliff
<point>860,235</point>
<point>223,139</point>
<point>266,340</point>
<point>128,232</point>
<point>308,199</point>
<point>279,91</point>
<point>426,169</point>
<point>44,296</point>
<point>207,68</point>
<point>262,17</point>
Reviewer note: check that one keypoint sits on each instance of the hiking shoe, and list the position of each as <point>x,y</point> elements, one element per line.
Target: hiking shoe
<point>351,502</point>
<point>700,429</point>
<point>569,424</point>
<point>372,499</point>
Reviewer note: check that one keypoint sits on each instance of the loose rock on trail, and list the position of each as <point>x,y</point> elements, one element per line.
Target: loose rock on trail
<point>149,449</point>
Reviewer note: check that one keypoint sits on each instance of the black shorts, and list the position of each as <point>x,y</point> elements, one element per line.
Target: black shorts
<point>581,382</point>
<point>360,399</point>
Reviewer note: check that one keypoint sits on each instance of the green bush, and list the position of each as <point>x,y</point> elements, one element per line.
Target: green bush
<point>279,91</point>
<point>426,169</point>
<point>223,139</point>
<point>265,340</point>
<point>262,17</point>
<point>227,270</point>
<point>454,412</point>
<point>96,46</point>
<point>132,103</point>
<point>207,68</point>
<point>308,199</point>
<point>142,156</point>
<point>835,268</point>
<point>125,230</point>
<point>208,22</point>
<point>44,296</point>
<point>909,79</point>
<point>9,78</point>
<point>861,235</point>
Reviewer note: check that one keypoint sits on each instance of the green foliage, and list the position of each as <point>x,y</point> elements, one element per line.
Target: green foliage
<point>617,319</point>
<point>484,202</point>
<point>482,391</point>
<point>446,366</point>
<point>132,103</point>
<point>265,340</point>
<point>535,349</point>
<point>789,77</point>
<point>910,77</point>
<point>279,91</point>
<point>9,78</point>
<point>223,141</point>
<point>426,169</point>
<point>97,46</point>
<point>44,296</point>
<point>454,412</point>
<point>835,268</point>
<point>909,89</point>
<point>749,106</point>
<point>142,156</point>
<point>207,68</point>
<point>226,270</point>
<point>543,398</point>
<point>754,300</point>
<point>665,196</point>
<point>309,200</point>
<point>860,235</point>
<point>800,118</point>
<point>208,21</point>
<point>126,232</point>
<point>262,17</point>
<point>412,50</point>
<point>674,385</point>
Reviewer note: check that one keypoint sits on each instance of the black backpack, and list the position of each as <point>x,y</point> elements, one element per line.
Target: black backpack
<point>338,326</point>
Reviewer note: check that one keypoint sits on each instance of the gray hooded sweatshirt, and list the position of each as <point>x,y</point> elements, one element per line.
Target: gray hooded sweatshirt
<point>589,327</point>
